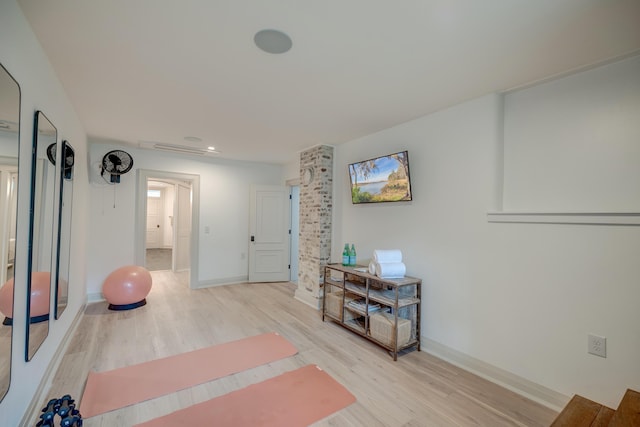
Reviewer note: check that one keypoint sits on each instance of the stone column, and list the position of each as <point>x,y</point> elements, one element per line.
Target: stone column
<point>316,204</point>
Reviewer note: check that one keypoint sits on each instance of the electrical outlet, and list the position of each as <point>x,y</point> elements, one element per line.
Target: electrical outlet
<point>597,345</point>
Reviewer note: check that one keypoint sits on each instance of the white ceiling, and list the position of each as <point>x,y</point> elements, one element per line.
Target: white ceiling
<point>160,70</point>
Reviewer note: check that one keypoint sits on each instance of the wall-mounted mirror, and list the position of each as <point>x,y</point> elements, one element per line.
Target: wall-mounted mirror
<point>64,225</point>
<point>42,253</point>
<point>9,148</point>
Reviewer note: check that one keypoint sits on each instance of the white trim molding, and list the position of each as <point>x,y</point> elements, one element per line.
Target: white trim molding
<point>585,218</point>
<point>95,297</point>
<point>308,298</point>
<point>222,282</point>
<point>536,392</point>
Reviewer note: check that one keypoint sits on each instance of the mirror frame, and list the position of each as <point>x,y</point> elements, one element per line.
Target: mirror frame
<point>9,322</point>
<point>63,260</point>
<point>42,240</point>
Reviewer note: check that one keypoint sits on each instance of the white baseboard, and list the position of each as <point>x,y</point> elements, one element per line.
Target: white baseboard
<point>98,297</point>
<point>536,392</point>
<point>308,299</point>
<point>47,377</point>
<point>222,282</point>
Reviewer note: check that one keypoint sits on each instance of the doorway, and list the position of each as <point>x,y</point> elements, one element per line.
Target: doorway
<point>168,224</point>
<point>167,210</point>
<point>160,228</point>
<point>8,209</point>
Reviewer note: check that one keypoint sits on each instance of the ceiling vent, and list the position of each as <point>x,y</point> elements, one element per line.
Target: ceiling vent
<point>183,149</point>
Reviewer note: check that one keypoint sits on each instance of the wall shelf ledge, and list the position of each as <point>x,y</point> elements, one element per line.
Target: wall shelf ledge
<point>585,218</point>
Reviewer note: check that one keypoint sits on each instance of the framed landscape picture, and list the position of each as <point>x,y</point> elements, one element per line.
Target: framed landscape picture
<point>381,179</point>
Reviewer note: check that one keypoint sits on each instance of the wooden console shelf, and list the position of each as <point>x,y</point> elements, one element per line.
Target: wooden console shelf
<point>385,311</point>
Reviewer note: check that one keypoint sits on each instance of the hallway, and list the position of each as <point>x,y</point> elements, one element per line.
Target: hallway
<point>158,259</point>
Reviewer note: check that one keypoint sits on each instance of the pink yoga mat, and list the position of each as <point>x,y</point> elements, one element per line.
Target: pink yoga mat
<point>294,399</point>
<point>106,391</point>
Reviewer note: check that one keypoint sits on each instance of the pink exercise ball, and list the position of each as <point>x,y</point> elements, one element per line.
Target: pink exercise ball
<point>40,294</point>
<point>127,287</point>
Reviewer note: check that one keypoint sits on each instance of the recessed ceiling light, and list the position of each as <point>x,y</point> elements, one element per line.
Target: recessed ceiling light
<point>211,148</point>
<point>272,41</point>
<point>192,138</point>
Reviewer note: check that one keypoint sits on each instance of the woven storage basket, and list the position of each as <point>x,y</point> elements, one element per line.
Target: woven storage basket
<point>333,306</point>
<point>381,329</point>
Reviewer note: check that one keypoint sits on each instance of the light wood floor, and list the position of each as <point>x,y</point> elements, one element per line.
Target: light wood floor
<point>158,259</point>
<point>417,390</point>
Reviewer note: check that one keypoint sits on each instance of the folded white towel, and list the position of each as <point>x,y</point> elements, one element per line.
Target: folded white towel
<point>390,270</point>
<point>387,255</point>
<point>372,268</point>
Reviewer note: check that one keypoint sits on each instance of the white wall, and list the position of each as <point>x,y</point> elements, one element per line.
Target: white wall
<point>517,297</point>
<point>291,170</point>
<point>224,208</point>
<point>23,57</point>
<point>572,144</point>
<point>7,144</point>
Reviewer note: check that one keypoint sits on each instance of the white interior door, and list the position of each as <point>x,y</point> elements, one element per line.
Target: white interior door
<point>182,222</point>
<point>269,234</point>
<point>155,218</point>
<point>295,232</point>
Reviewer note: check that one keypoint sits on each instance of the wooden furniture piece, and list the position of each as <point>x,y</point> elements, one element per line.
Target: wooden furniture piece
<point>385,311</point>
<point>583,412</point>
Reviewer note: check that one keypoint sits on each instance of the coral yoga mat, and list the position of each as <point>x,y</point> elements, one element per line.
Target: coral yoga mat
<point>294,399</point>
<point>106,391</point>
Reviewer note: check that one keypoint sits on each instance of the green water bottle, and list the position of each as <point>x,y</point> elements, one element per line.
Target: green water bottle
<point>352,255</point>
<point>345,255</point>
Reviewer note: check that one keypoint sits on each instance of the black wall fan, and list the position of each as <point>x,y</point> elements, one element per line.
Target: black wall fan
<point>51,152</point>
<point>116,163</point>
<point>69,158</point>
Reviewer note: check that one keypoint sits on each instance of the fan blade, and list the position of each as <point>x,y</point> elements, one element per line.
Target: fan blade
<point>115,160</point>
